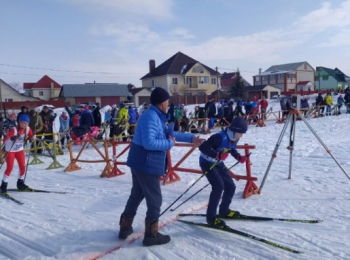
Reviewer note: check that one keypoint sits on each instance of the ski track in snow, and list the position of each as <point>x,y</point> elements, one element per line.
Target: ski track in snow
<point>84,222</point>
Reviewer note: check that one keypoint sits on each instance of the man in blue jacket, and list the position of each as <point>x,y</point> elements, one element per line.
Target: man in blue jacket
<point>213,152</point>
<point>148,160</point>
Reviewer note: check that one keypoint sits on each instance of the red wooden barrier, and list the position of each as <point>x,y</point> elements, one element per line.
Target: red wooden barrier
<point>172,176</point>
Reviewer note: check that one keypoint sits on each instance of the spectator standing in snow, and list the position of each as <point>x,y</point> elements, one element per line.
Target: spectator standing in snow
<point>305,105</point>
<point>147,161</point>
<point>347,101</point>
<point>64,127</point>
<point>340,103</point>
<point>132,120</point>
<point>210,110</point>
<point>320,104</point>
<point>263,104</point>
<point>97,116</point>
<point>213,152</point>
<point>171,113</point>
<point>9,123</point>
<point>329,102</point>
<point>1,126</point>
<point>86,118</point>
<point>24,111</point>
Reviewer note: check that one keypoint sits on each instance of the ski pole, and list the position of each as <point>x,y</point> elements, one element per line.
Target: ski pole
<point>203,187</point>
<point>211,167</point>
<point>25,174</point>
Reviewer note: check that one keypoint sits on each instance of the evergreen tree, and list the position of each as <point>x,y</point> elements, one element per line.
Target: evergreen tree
<point>238,87</point>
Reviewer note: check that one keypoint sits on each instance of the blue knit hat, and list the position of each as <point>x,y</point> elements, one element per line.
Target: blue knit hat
<point>24,118</point>
<point>238,125</point>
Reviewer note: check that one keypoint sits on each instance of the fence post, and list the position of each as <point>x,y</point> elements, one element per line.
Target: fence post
<point>55,164</point>
<point>35,160</point>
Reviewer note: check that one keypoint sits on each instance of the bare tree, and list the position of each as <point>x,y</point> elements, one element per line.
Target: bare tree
<point>16,86</point>
<point>177,89</point>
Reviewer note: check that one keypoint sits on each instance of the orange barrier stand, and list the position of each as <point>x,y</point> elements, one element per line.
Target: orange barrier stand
<point>172,176</point>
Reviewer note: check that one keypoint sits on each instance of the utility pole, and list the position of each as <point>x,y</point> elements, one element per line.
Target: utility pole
<point>0,97</point>
<point>217,82</point>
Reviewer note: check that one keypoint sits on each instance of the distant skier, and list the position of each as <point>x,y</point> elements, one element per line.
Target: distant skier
<point>14,150</point>
<point>214,151</point>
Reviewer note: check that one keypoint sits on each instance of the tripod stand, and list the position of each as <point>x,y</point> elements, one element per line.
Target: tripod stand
<point>292,118</point>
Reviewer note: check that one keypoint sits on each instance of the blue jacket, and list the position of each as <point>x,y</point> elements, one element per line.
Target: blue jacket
<point>149,146</point>
<point>132,115</point>
<point>107,116</point>
<point>214,145</point>
<point>86,118</point>
<point>64,124</point>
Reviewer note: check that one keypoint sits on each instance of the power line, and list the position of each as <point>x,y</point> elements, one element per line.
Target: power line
<point>60,76</point>
<point>70,71</point>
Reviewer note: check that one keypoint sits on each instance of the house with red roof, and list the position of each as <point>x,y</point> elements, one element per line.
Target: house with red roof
<point>45,89</point>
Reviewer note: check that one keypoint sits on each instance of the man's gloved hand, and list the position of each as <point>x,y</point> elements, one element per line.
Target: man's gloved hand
<point>218,156</point>
<point>241,159</point>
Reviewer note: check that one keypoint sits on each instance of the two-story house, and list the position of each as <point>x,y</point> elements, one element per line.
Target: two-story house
<point>326,78</point>
<point>8,94</point>
<point>286,76</point>
<point>182,75</point>
<point>45,89</point>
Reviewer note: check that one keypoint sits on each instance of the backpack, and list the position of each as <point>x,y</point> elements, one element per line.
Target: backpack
<point>178,114</point>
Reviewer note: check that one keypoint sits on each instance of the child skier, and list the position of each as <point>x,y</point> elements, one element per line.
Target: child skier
<point>14,149</point>
<point>214,151</point>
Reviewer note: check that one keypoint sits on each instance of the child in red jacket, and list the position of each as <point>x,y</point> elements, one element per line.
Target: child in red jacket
<point>14,150</point>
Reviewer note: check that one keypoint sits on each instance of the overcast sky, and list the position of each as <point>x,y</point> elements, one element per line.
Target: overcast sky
<point>120,37</point>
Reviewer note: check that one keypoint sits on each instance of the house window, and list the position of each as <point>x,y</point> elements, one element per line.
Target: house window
<point>175,81</point>
<point>203,80</point>
<point>272,77</point>
<point>291,76</point>
<point>41,93</point>
<point>8,100</point>
<point>324,77</point>
<point>280,76</point>
<point>198,69</point>
<point>213,81</point>
<point>152,82</point>
<point>257,78</point>
<point>317,78</point>
<point>189,93</point>
<point>264,78</point>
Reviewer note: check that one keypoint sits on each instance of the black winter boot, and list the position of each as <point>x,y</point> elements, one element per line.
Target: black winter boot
<point>125,226</point>
<point>3,187</point>
<point>21,185</point>
<point>152,236</point>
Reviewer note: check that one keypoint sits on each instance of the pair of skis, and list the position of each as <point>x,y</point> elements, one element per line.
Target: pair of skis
<point>6,195</point>
<point>247,235</point>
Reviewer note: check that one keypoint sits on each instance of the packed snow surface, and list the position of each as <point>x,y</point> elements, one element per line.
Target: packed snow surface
<point>84,223</point>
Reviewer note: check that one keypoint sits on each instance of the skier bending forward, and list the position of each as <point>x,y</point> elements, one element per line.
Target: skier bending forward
<point>14,149</point>
<point>214,151</point>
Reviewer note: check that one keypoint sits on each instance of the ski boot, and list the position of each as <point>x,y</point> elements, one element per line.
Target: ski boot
<point>230,214</point>
<point>21,185</point>
<point>3,187</point>
<point>125,226</point>
<point>152,236</point>
<point>216,222</point>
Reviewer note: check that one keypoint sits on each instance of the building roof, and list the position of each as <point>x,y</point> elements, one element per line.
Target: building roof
<point>44,82</point>
<point>303,83</point>
<point>94,90</point>
<point>227,79</point>
<point>228,75</point>
<point>15,92</point>
<point>176,65</point>
<point>282,68</point>
<point>134,91</point>
<point>258,88</point>
<point>336,74</point>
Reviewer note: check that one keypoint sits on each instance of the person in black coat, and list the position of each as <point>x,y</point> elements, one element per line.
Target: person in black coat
<point>24,111</point>
<point>210,109</point>
<point>320,102</point>
<point>97,116</point>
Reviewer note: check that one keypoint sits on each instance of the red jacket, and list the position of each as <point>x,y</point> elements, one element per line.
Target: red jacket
<point>263,104</point>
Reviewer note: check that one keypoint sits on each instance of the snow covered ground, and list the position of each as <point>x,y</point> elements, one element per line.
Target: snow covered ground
<point>84,223</point>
